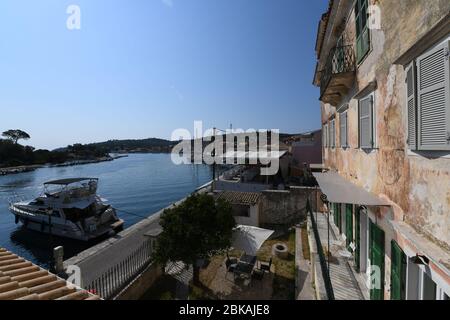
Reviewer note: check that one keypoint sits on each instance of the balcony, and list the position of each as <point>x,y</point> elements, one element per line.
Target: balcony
<point>338,75</point>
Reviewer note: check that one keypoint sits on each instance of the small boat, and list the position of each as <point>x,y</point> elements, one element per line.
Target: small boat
<point>69,208</point>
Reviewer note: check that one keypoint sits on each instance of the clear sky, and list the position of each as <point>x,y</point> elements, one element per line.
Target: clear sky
<point>143,68</point>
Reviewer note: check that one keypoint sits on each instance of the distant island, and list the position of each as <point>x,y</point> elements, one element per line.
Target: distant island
<point>150,145</point>
<point>17,158</point>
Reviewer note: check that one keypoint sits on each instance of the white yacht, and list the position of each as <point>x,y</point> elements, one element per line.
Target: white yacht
<point>69,208</point>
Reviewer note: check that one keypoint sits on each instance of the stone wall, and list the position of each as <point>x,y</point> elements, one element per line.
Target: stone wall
<point>252,219</point>
<point>286,207</point>
<point>222,185</point>
<point>141,284</point>
<point>418,183</point>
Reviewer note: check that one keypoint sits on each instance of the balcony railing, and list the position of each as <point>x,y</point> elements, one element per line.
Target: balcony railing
<point>340,61</point>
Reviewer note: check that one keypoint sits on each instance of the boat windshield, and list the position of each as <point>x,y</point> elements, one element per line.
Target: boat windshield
<point>71,188</point>
<point>76,214</point>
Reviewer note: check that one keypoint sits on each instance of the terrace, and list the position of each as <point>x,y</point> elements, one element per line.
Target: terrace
<point>217,283</point>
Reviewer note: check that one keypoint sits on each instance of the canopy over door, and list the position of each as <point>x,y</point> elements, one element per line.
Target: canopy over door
<point>340,190</point>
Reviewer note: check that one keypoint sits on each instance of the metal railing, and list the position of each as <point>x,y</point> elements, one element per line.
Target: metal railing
<point>119,276</point>
<point>340,60</point>
<point>323,260</point>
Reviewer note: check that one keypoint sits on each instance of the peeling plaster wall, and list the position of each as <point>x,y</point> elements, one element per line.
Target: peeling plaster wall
<point>418,184</point>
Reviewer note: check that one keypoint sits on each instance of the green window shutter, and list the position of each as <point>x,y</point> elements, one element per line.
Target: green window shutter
<point>412,106</point>
<point>325,128</point>
<point>362,29</point>
<point>365,43</point>
<point>358,239</point>
<point>343,129</point>
<point>366,122</point>
<point>398,272</point>
<point>376,253</point>
<point>349,223</point>
<point>433,99</point>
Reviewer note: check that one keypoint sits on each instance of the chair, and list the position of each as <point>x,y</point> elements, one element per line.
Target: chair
<point>266,266</point>
<point>258,275</point>
<point>231,264</point>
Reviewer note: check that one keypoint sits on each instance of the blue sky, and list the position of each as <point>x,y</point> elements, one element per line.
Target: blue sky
<point>143,68</point>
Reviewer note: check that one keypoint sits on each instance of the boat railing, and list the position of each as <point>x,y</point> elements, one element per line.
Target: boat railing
<point>14,198</point>
<point>110,283</point>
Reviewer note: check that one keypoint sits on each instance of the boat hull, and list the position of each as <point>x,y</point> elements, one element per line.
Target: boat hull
<point>63,228</point>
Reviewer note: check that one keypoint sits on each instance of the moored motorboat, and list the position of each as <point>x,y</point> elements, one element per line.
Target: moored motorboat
<point>69,208</point>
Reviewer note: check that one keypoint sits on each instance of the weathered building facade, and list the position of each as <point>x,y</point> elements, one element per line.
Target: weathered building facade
<point>383,70</point>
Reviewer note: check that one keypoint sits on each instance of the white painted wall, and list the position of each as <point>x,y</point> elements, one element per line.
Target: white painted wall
<point>253,220</point>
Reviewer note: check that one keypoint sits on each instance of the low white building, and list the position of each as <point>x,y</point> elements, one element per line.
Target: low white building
<point>246,206</point>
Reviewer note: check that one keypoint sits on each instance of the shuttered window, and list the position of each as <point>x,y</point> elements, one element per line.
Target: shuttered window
<point>343,132</point>
<point>362,29</point>
<point>411,105</point>
<point>333,133</point>
<point>325,132</point>
<point>366,121</point>
<point>433,99</point>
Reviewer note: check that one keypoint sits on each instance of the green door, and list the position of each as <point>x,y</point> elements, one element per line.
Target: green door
<point>339,217</point>
<point>358,240</point>
<point>398,272</point>
<point>349,223</point>
<point>377,260</point>
<point>335,213</point>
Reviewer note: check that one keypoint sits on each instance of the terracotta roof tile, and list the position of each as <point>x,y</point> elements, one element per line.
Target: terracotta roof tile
<point>22,280</point>
<point>243,198</point>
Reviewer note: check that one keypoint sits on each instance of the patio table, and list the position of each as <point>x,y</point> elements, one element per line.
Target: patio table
<point>245,266</point>
<point>249,259</point>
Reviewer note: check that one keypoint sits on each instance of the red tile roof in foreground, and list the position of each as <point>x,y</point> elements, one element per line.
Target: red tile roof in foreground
<point>242,198</point>
<point>22,280</point>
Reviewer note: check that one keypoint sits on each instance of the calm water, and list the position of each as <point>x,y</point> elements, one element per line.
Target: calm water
<point>141,184</point>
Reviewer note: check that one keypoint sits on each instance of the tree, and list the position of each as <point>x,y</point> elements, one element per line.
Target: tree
<point>196,229</point>
<point>16,135</point>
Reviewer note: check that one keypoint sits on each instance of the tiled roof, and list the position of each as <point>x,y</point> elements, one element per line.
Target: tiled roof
<point>22,280</point>
<point>244,198</point>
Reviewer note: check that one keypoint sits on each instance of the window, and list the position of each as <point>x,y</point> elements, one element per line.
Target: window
<point>429,288</point>
<point>343,132</point>
<point>333,133</point>
<point>366,122</point>
<point>428,100</point>
<point>241,211</point>
<point>362,29</point>
<point>325,135</point>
